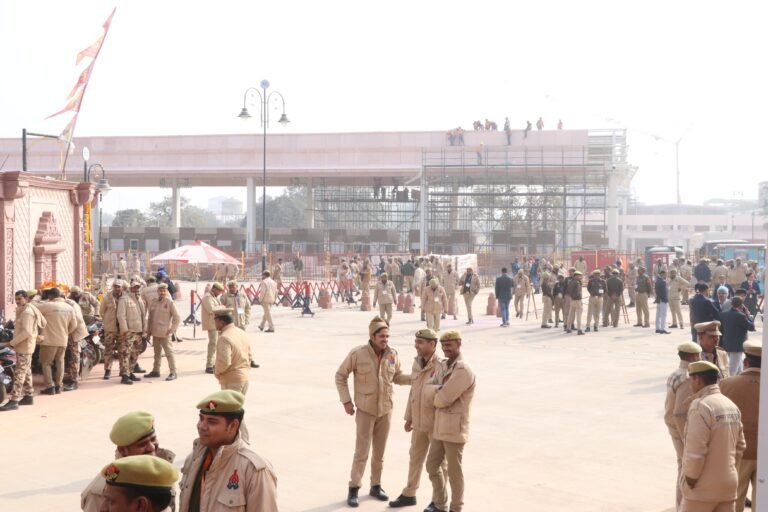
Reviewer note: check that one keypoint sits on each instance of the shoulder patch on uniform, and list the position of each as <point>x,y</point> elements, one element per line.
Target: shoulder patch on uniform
<point>255,459</point>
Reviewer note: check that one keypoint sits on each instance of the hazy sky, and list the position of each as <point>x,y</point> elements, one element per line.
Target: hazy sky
<point>172,67</point>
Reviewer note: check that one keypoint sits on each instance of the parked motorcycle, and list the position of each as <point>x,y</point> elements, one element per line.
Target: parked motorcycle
<point>7,366</point>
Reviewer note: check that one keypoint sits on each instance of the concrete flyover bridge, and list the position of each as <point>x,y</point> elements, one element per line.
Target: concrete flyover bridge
<point>359,180</point>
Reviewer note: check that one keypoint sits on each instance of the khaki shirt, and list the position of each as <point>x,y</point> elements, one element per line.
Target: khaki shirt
<point>89,305</point>
<point>61,321</point>
<point>385,293</point>
<point>450,282</point>
<point>453,398</point>
<point>522,285</point>
<point>93,495</point>
<point>674,385</point>
<point>163,318</point>
<point>736,276</point>
<point>240,304</point>
<point>420,410</point>
<point>277,271</point>
<point>434,301</point>
<point>233,356</point>
<point>714,444</point>
<point>108,312</point>
<point>720,270</point>
<point>82,330</point>
<point>28,326</point>
<point>474,285</point>
<point>209,305</point>
<point>373,379</point>
<point>581,266</point>
<point>719,359</point>
<point>744,391</point>
<point>131,314</point>
<point>149,293</point>
<point>676,287</point>
<point>268,290</point>
<point>238,479</point>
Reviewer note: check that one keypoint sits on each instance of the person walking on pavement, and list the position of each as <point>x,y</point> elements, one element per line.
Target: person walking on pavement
<point>453,392</point>
<point>470,287</point>
<point>376,367</point>
<point>27,328</point>
<point>268,293</point>
<point>162,321</point>
<point>503,289</point>
<point>522,290</point>
<point>419,412</point>
<point>436,302</point>
<point>679,392</point>
<point>744,391</point>
<point>385,295</point>
<point>210,304</point>
<point>451,285</point>
<point>714,444</point>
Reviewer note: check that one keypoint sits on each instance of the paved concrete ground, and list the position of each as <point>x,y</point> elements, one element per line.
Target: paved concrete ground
<point>558,421</point>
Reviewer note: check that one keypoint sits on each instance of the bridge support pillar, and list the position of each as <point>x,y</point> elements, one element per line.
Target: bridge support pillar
<point>613,213</point>
<point>310,204</point>
<point>175,207</point>
<point>250,215</point>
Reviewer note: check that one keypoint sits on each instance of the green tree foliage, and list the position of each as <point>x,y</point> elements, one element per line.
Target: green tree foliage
<point>129,218</point>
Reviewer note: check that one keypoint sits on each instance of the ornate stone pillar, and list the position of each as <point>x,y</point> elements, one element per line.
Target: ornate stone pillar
<point>82,195</point>
<point>11,188</point>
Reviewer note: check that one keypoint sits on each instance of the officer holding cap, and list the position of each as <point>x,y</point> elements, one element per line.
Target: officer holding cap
<point>744,391</point>
<point>714,444</point>
<point>678,401</point>
<point>139,482</point>
<point>133,434</point>
<point>222,470</point>
<point>420,411</point>
<point>709,336</point>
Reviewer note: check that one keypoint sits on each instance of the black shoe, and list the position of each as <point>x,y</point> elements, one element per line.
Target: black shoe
<point>442,317</point>
<point>254,365</point>
<point>209,369</point>
<point>568,331</point>
<point>57,390</point>
<point>637,325</point>
<point>588,329</point>
<point>403,501</point>
<point>270,330</point>
<point>546,326</point>
<point>378,493</point>
<point>595,328</point>
<point>27,400</point>
<point>125,379</point>
<point>70,387</point>
<point>432,508</point>
<point>138,369</point>
<point>48,391</point>
<point>468,322</point>
<point>134,378</point>
<point>12,405</point>
<point>580,333</point>
<point>261,328</point>
<point>673,326</point>
<point>171,376</point>
<point>747,503</point>
<point>152,375</point>
<point>352,497</point>
<point>665,332</point>
<point>107,374</point>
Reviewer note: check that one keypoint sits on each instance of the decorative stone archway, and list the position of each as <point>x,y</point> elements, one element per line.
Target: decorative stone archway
<point>46,249</point>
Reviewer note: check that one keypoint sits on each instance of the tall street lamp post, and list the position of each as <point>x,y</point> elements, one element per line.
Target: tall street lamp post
<point>102,189</point>
<point>264,99</point>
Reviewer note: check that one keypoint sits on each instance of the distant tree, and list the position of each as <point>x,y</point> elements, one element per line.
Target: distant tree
<point>160,213</point>
<point>288,210</point>
<point>130,218</point>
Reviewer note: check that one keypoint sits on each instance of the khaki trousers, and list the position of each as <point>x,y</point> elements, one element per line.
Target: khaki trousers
<point>747,474</point>
<point>685,292</point>
<point>163,345</point>
<point>574,314</point>
<point>678,444</point>
<point>213,337</point>
<point>133,345</point>
<point>606,309</point>
<point>371,430</point>
<point>468,298</point>
<point>632,293</point>
<point>519,303</point>
<point>453,307</point>
<point>594,308</point>
<point>420,442</point>
<point>614,306</point>
<point>706,506</point>
<point>72,359</point>
<point>48,356</point>
<point>267,318</point>
<point>236,386</point>
<point>677,314</point>
<point>566,310</point>
<point>641,307</point>
<point>559,310</point>
<point>452,453</point>
<point>547,314</point>
<point>385,311</point>
<point>433,321</point>
<point>22,377</point>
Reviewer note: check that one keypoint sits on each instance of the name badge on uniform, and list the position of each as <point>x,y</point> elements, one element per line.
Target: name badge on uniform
<point>384,292</point>
<point>466,285</point>
<point>240,311</point>
<point>559,295</point>
<point>437,299</point>
<point>519,286</point>
<point>600,291</point>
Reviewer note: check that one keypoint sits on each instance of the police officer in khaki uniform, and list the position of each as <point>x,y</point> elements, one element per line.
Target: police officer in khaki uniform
<point>643,288</point>
<point>139,482</point>
<point>61,322</point>
<point>420,412</point>
<point>131,317</point>
<point>744,391</point>
<point>210,304</point>
<point>522,289</point>
<point>233,353</point>
<point>108,312</point>
<point>149,292</point>
<point>574,291</point>
<point>268,294</point>
<point>132,434</point>
<point>27,328</point>
<point>222,472</point>
<point>238,303</point>
<point>162,322</point>
<point>596,288</point>
<point>714,444</point>
<point>435,303</point>
<point>451,284</point>
<point>469,288</point>
<point>72,353</point>
<point>376,367</point>
<point>385,294</point>
<point>454,390</point>
<point>679,391</point>
<point>708,334</point>
<point>89,305</point>
<point>676,287</point>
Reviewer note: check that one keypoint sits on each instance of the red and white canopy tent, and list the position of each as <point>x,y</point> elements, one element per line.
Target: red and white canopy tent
<point>197,252</point>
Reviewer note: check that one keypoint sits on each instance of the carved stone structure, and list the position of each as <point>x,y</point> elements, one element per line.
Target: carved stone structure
<point>42,233</point>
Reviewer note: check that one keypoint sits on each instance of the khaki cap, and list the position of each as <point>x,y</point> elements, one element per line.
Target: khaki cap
<point>712,327</point>
<point>219,312</point>
<point>75,289</point>
<point>218,286</point>
<point>377,324</point>
<point>701,367</point>
<point>577,273</point>
<point>31,293</point>
<point>753,348</point>
<point>162,286</point>
<point>689,347</point>
<point>426,334</point>
<point>433,282</point>
<point>141,471</point>
<point>132,427</point>
<point>451,335</point>
<point>615,271</point>
<point>226,401</point>
<point>383,274</point>
<point>231,282</point>
<point>596,272</point>
<point>118,282</point>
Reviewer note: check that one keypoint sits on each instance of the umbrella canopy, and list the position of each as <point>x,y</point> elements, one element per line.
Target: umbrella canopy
<point>196,252</point>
